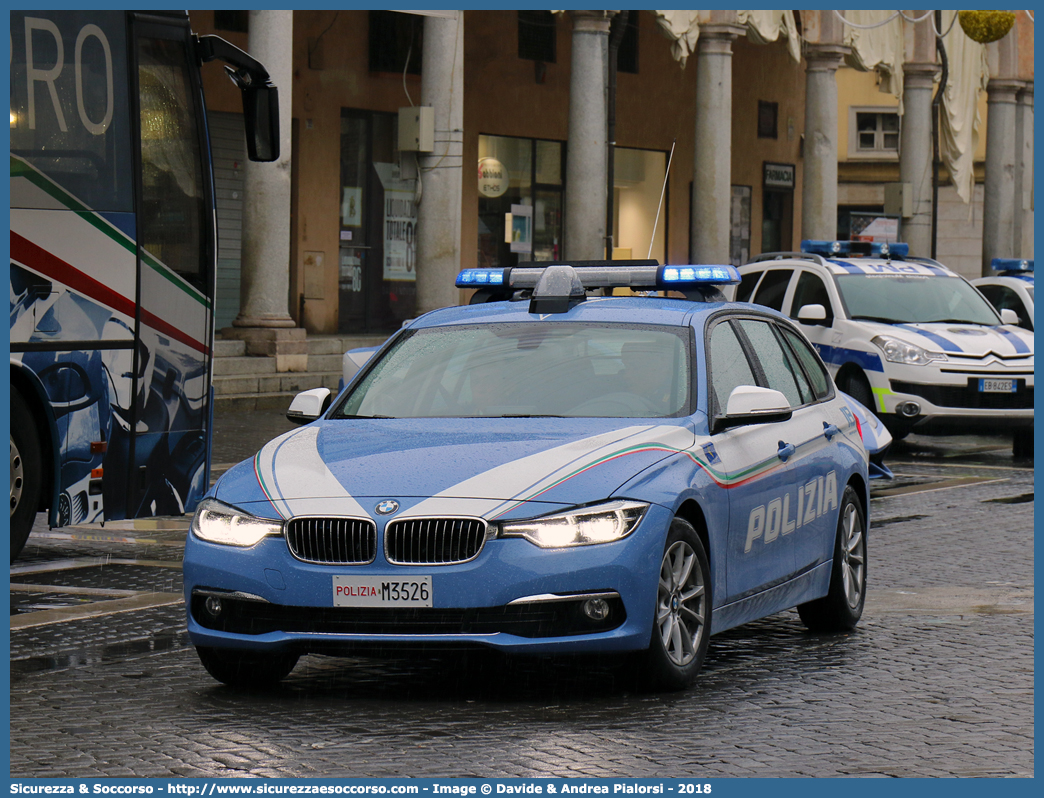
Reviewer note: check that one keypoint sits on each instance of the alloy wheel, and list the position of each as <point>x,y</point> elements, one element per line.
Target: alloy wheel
<point>681,603</point>
<point>853,555</point>
<point>17,477</point>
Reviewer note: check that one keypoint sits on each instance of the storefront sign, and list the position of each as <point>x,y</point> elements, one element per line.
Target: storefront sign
<point>351,207</point>
<point>779,175</point>
<point>520,228</point>
<point>399,230</point>
<point>493,178</point>
<point>400,241</point>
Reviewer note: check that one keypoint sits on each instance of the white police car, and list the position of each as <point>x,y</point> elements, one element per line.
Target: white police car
<point>546,470</point>
<point>907,337</point>
<point>1011,288</point>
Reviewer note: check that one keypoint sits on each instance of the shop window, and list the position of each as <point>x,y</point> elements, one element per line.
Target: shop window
<point>395,42</point>
<point>638,177</point>
<point>523,178</point>
<point>536,36</point>
<point>873,133</point>
<point>768,116</point>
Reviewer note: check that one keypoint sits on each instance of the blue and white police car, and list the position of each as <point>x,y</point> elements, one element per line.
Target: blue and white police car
<point>547,470</point>
<point>1011,288</point>
<point>907,337</point>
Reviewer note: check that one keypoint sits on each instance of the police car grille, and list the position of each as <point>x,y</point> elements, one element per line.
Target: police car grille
<point>333,541</point>
<point>434,541</point>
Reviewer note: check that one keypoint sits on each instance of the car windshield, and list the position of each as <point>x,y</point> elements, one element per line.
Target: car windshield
<point>528,370</point>
<point>912,299</point>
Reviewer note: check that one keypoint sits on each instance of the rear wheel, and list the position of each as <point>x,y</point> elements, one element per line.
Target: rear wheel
<point>681,624</point>
<point>842,606</point>
<point>248,669</point>
<point>26,473</point>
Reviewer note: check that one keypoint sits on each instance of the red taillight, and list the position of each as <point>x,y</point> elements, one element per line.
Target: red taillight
<point>859,427</point>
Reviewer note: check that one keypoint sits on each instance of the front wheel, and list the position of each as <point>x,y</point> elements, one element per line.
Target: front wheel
<point>681,624</point>
<point>246,669</point>
<point>840,609</point>
<point>26,473</point>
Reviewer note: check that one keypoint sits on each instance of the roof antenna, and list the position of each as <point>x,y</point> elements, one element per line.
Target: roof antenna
<point>662,192</point>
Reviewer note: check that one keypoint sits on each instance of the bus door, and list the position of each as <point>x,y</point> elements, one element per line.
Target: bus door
<point>170,402</point>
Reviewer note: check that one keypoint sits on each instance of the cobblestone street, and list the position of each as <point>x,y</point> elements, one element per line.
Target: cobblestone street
<point>937,680</point>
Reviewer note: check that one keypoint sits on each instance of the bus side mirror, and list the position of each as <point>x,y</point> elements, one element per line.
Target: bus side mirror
<point>261,118</point>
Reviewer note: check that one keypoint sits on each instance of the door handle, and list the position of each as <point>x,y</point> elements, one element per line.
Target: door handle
<point>829,430</point>
<point>786,450</point>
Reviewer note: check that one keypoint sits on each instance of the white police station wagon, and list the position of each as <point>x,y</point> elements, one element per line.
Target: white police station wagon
<point>907,337</point>
<point>546,470</point>
<point>1011,288</point>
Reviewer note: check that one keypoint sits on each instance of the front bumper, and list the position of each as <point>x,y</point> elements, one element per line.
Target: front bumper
<point>954,401</point>
<point>514,596</point>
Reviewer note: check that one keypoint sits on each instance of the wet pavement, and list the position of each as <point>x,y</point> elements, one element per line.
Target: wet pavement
<point>936,681</point>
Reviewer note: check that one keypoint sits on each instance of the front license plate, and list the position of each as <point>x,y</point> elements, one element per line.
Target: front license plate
<point>997,386</point>
<point>382,591</point>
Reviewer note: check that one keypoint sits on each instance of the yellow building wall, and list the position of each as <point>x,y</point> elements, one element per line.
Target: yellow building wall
<point>855,88</point>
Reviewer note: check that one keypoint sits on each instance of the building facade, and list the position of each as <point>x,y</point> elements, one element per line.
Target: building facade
<point>371,177</point>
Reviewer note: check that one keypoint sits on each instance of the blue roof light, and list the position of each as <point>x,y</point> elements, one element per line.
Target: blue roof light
<point>875,249</point>
<point>476,278</point>
<point>1011,265</point>
<point>680,276</point>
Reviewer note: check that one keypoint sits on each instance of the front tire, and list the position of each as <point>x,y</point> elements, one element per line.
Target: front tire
<point>681,624</point>
<point>26,473</point>
<point>246,669</point>
<point>842,606</point>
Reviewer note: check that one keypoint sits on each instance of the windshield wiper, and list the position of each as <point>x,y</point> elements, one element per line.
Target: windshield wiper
<point>881,319</point>
<point>366,416</point>
<point>525,415</point>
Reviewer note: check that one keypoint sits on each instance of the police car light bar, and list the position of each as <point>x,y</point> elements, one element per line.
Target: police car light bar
<point>478,278</point>
<point>1011,265</point>
<point>874,249</point>
<point>643,276</point>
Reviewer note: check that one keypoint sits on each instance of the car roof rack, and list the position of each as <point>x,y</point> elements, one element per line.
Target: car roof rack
<point>764,256</point>
<point>555,287</point>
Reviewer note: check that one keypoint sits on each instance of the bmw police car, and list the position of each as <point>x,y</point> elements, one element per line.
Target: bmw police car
<point>907,337</point>
<point>547,470</point>
<point>1011,288</point>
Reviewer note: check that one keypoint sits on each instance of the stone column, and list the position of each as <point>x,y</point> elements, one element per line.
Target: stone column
<point>440,172</point>
<point>1024,172</point>
<point>915,155</point>
<point>586,160</point>
<point>819,192</point>
<point>712,172</point>
<point>998,211</point>
<point>263,321</point>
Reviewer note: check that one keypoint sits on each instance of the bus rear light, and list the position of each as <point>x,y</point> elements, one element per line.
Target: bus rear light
<point>99,447</point>
<point>96,473</point>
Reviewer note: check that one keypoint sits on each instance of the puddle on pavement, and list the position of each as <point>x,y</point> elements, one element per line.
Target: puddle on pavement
<point>171,641</point>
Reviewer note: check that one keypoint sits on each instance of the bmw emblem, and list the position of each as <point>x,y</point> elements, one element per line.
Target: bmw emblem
<point>387,507</point>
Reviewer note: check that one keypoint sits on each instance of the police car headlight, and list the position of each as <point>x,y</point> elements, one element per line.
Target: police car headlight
<point>896,351</point>
<point>216,522</point>
<point>585,526</point>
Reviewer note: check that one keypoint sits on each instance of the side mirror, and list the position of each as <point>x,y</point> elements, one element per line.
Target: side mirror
<point>309,405</point>
<point>1009,316</point>
<point>261,119</point>
<point>750,404</point>
<point>812,314</point>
